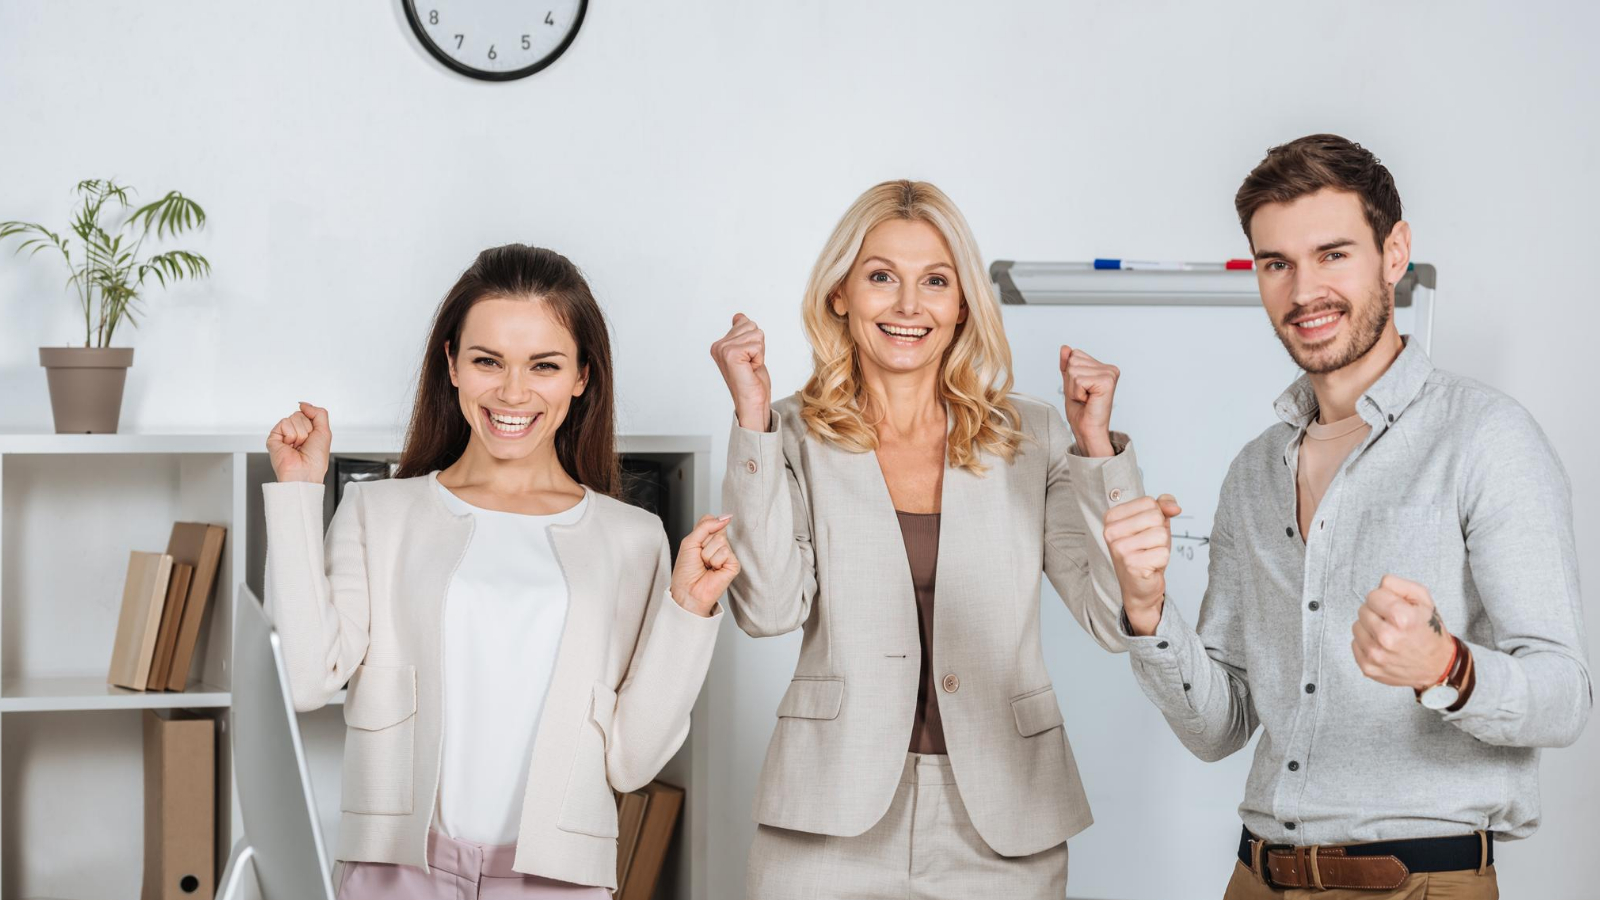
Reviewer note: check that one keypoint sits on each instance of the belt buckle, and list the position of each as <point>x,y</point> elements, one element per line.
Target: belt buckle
<point>1263,857</point>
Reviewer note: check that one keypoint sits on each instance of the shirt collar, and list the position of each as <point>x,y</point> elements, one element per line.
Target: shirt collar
<point>1380,405</point>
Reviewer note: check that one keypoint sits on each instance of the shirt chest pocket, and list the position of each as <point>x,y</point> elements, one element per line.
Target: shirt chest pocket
<point>1403,541</point>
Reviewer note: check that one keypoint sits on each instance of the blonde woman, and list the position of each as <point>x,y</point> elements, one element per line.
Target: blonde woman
<point>900,509</point>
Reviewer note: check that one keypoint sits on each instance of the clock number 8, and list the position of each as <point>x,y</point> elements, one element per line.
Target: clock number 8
<point>433,17</point>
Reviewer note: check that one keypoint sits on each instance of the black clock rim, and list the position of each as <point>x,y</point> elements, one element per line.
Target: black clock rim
<point>450,62</point>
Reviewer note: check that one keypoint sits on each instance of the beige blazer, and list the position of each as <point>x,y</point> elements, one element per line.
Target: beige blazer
<point>820,549</point>
<point>368,607</point>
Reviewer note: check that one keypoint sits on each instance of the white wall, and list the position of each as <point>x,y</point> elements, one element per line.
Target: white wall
<point>691,156</point>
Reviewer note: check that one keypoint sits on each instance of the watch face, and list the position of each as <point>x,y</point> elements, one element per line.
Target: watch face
<point>1440,696</point>
<point>495,40</point>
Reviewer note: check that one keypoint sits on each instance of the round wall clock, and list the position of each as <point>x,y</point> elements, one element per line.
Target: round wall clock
<point>496,40</point>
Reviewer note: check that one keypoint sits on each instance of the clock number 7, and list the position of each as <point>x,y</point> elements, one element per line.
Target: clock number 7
<point>549,18</point>
<point>459,38</point>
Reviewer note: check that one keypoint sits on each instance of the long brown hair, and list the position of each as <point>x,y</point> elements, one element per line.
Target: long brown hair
<point>586,443</point>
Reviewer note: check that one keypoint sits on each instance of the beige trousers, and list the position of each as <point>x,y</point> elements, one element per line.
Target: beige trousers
<point>924,848</point>
<point>1464,885</point>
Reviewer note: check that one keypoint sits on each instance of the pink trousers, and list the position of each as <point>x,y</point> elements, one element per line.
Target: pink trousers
<point>460,871</point>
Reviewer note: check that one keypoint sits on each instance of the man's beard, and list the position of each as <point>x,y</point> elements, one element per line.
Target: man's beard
<point>1361,334</point>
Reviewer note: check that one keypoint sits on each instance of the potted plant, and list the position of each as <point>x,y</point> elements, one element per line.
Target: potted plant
<point>86,382</point>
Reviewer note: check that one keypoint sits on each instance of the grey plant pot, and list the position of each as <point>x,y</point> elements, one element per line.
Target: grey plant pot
<point>86,386</point>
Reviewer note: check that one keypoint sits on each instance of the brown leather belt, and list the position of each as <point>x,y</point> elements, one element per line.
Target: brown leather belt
<point>1376,866</point>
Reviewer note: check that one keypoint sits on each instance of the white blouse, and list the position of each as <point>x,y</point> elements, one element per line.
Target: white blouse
<point>502,627</point>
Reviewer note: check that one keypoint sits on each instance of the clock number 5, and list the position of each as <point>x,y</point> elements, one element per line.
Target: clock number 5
<point>526,44</point>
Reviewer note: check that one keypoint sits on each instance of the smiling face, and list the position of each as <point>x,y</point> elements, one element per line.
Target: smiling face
<point>1327,287</point>
<point>516,375</point>
<point>901,298</point>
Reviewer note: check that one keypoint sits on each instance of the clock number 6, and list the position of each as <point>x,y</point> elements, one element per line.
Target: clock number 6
<point>492,54</point>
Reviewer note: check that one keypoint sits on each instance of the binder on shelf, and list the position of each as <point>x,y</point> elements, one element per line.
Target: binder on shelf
<point>171,615</point>
<point>630,820</point>
<point>139,624</point>
<point>663,802</point>
<point>179,806</point>
<point>201,547</point>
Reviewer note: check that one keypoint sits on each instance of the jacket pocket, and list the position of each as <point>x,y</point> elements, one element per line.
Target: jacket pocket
<point>1036,711</point>
<point>812,698</point>
<point>380,713</point>
<point>588,807</point>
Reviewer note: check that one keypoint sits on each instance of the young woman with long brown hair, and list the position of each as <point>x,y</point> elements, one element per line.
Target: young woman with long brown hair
<point>516,642</point>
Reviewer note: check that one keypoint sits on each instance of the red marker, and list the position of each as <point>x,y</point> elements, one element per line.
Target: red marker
<point>1238,264</point>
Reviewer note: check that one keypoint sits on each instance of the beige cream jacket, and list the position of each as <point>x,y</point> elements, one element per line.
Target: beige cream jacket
<point>820,549</point>
<point>366,606</point>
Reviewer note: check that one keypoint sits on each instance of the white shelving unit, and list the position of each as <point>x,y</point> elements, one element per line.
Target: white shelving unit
<point>71,757</point>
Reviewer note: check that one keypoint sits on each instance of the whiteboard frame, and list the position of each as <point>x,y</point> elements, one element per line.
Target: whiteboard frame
<point>1081,284</point>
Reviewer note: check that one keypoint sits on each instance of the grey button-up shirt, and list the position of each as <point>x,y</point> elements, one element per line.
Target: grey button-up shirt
<point>1456,488</point>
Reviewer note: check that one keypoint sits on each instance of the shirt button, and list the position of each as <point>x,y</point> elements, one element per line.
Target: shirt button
<point>1320,523</point>
<point>1114,495</point>
<point>1311,689</point>
<point>1161,646</point>
<point>1289,825</point>
<point>750,466</point>
<point>1186,686</point>
<point>1314,605</point>
<point>951,683</point>
<point>1294,766</point>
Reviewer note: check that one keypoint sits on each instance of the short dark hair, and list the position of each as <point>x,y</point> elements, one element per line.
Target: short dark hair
<point>1317,161</point>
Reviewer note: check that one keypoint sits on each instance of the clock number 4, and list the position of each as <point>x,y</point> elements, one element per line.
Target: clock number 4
<point>549,18</point>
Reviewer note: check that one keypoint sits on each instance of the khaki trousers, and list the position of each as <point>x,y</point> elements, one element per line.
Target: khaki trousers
<point>924,848</point>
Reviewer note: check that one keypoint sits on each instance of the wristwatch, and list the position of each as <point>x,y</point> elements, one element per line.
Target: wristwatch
<point>1451,693</point>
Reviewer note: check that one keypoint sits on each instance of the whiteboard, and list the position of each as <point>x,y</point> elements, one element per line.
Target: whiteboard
<point>1198,382</point>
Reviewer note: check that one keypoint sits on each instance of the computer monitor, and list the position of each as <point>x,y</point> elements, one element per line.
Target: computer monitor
<point>282,840</point>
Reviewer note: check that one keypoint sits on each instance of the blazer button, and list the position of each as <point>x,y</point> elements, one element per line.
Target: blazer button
<point>750,466</point>
<point>951,683</point>
<point>1115,495</point>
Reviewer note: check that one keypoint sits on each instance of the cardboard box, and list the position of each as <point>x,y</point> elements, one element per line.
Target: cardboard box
<point>179,806</point>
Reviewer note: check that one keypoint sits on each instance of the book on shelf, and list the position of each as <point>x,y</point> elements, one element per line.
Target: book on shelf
<point>171,615</point>
<point>139,624</point>
<point>630,820</point>
<point>663,802</point>
<point>198,545</point>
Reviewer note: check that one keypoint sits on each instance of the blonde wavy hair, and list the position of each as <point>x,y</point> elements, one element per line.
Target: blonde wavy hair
<point>975,374</point>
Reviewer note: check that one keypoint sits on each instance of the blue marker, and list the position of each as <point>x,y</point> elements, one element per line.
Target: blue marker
<point>1133,265</point>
